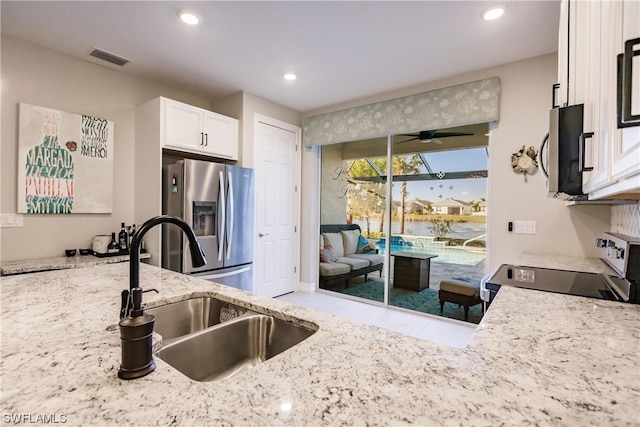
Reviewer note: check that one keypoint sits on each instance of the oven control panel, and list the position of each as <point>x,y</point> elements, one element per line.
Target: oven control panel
<point>622,253</point>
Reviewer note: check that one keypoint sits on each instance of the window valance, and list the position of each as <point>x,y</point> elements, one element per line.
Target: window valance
<point>464,104</point>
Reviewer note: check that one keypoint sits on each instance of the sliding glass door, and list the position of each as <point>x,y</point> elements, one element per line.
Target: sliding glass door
<point>419,201</point>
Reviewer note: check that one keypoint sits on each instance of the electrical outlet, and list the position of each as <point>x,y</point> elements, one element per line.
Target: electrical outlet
<point>11,220</point>
<point>524,227</point>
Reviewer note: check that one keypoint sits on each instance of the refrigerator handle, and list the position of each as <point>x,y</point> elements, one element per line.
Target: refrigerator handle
<point>230,198</point>
<point>222,209</point>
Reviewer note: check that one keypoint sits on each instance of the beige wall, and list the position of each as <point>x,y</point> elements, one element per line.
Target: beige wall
<point>524,109</point>
<point>244,106</point>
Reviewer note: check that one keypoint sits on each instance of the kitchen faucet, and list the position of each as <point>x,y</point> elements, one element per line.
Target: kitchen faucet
<point>136,327</point>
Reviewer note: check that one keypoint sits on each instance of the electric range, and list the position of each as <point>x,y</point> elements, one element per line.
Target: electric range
<point>578,283</point>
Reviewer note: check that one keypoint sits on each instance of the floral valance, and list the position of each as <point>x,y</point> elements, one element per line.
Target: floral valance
<point>465,104</point>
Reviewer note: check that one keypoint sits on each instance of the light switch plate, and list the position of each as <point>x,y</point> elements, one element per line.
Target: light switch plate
<point>11,220</point>
<point>524,227</point>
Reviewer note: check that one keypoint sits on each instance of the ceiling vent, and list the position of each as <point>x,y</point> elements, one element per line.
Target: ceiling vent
<point>109,57</point>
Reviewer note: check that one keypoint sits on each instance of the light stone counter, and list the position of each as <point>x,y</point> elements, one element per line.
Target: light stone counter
<point>8,268</point>
<point>564,262</point>
<point>536,359</point>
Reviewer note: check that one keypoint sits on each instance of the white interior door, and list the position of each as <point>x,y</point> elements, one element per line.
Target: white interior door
<point>276,176</point>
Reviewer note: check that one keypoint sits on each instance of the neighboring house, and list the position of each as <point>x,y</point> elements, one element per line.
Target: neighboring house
<point>416,206</point>
<point>451,207</point>
<point>482,209</point>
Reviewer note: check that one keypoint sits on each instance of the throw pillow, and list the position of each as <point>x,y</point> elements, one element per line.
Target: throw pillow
<point>326,254</point>
<point>364,247</point>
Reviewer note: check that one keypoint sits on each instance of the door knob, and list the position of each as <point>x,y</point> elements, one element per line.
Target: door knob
<point>265,234</point>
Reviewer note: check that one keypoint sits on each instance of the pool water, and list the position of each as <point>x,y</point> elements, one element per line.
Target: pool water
<point>445,254</point>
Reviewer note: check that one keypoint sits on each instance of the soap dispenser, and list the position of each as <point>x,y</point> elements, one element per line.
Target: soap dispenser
<point>136,333</point>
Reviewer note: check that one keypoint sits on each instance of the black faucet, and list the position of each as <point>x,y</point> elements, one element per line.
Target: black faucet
<point>136,327</point>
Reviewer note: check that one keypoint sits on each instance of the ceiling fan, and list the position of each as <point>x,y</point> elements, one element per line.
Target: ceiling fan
<point>427,136</point>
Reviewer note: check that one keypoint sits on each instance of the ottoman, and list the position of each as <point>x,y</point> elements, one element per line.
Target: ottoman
<point>459,292</point>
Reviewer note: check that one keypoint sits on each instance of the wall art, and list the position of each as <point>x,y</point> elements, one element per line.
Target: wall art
<point>65,162</point>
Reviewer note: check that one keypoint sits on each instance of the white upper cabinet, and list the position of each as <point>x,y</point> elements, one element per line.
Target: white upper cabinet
<point>194,130</point>
<point>625,160</point>
<point>592,35</point>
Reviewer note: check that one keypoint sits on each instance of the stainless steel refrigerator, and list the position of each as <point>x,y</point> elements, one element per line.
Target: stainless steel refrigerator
<point>217,201</point>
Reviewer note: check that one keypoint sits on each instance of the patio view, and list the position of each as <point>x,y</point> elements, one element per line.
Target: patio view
<point>437,219</point>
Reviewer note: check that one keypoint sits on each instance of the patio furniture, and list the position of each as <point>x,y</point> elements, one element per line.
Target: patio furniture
<point>347,263</point>
<point>411,270</point>
<point>459,292</point>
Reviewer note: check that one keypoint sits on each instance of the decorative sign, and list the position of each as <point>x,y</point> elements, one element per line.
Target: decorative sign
<point>525,161</point>
<point>65,162</point>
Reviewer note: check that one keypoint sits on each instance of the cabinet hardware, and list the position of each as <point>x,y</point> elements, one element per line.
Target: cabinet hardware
<point>625,85</point>
<point>581,147</point>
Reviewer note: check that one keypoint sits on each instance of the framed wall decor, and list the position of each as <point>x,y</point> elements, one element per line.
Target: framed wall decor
<point>65,162</point>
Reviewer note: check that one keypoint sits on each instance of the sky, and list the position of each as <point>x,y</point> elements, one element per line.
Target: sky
<point>450,161</point>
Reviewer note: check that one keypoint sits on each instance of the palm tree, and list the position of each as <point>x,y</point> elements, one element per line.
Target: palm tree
<point>405,165</point>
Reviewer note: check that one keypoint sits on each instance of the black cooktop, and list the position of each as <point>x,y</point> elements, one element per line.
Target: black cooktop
<point>578,283</point>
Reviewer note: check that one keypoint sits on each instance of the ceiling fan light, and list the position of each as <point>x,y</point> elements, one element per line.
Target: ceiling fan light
<point>494,12</point>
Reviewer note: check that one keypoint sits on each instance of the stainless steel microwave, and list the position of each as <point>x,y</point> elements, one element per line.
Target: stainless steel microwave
<point>563,163</point>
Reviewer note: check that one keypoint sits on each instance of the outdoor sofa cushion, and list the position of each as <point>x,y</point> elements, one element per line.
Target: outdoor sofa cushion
<point>333,269</point>
<point>354,263</point>
<point>335,241</point>
<point>373,259</point>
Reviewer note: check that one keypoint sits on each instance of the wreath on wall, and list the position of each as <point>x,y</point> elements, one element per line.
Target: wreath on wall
<point>525,161</point>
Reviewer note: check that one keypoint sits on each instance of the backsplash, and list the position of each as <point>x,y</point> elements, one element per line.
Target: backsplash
<point>625,219</point>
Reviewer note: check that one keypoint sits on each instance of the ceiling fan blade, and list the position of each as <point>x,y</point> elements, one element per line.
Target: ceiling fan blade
<point>436,141</point>
<point>407,140</point>
<point>448,134</point>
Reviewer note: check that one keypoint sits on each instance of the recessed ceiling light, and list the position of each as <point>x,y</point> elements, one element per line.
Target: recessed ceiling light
<point>188,17</point>
<point>290,76</point>
<point>494,12</point>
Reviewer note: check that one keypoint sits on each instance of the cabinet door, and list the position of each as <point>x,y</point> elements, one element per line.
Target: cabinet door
<point>591,74</point>
<point>564,50</point>
<point>625,157</point>
<point>220,136</point>
<point>182,126</point>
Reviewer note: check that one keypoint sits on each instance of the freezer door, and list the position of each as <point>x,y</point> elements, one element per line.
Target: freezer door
<point>240,277</point>
<point>239,216</point>
<point>203,209</point>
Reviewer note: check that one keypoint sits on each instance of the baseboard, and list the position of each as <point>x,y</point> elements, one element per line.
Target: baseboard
<point>308,288</point>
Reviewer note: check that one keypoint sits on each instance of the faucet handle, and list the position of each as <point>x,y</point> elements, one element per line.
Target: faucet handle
<point>124,304</point>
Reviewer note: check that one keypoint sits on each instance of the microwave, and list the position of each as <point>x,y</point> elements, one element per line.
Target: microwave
<point>563,163</point>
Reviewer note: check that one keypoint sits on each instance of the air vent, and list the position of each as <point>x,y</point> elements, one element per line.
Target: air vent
<point>109,57</point>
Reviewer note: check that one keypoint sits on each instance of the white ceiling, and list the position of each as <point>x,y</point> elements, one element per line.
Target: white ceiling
<point>341,51</point>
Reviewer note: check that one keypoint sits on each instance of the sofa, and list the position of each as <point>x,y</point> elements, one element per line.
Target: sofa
<point>345,254</point>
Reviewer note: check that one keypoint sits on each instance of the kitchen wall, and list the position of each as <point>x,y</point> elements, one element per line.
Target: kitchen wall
<point>524,110</point>
<point>244,106</point>
<point>40,76</point>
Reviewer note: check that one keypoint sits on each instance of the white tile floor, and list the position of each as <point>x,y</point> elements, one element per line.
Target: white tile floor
<point>449,332</point>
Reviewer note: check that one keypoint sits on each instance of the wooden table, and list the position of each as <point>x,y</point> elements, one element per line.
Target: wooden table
<point>411,270</point>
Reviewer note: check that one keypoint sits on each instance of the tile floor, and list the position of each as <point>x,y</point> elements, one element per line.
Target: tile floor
<point>449,332</point>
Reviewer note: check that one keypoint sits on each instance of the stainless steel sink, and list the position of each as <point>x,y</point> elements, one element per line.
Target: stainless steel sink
<point>182,318</point>
<point>205,349</point>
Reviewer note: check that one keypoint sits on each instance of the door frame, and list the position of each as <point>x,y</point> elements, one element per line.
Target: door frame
<point>269,121</point>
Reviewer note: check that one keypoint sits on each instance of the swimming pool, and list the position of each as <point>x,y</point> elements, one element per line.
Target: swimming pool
<point>446,254</point>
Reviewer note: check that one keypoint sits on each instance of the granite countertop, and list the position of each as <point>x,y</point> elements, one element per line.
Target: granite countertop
<point>564,262</point>
<point>536,358</point>
<point>8,268</point>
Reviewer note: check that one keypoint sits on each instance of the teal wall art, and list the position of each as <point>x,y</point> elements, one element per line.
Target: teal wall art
<point>65,162</point>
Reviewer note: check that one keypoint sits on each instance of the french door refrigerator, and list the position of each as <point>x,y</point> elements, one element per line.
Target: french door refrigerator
<point>217,201</point>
